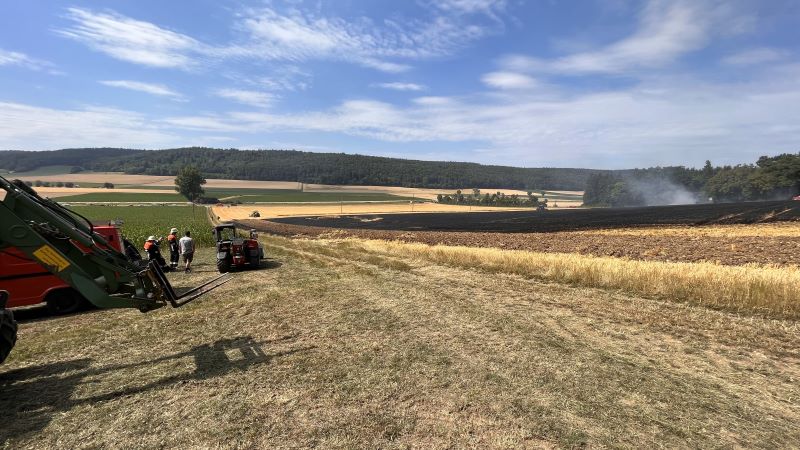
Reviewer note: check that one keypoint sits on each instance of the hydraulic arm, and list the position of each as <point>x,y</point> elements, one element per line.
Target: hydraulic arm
<point>65,243</point>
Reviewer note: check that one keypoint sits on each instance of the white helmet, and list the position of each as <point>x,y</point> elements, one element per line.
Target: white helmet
<point>173,231</point>
<point>151,238</point>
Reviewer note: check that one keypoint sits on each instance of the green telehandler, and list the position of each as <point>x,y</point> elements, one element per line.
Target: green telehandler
<point>64,243</point>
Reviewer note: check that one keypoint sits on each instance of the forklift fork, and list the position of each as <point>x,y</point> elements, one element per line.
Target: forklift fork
<point>157,275</point>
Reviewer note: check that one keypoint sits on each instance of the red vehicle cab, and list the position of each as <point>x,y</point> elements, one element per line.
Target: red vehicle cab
<point>28,283</point>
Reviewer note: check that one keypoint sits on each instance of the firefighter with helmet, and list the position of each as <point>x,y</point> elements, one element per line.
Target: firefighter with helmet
<point>154,252</point>
<point>174,251</point>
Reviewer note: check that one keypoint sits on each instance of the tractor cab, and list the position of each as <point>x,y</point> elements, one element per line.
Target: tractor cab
<point>235,251</point>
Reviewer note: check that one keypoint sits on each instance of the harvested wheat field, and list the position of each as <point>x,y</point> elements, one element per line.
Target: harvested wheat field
<point>276,210</point>
<point>56,192</point>
<point>96,177</point>
<point>354,344</point>
<point>723,244</point>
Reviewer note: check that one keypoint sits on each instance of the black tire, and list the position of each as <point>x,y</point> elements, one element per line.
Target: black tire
<point>8,333</point>
<point>255,262</point>
<point>223,265</point>
<point>65,301</point>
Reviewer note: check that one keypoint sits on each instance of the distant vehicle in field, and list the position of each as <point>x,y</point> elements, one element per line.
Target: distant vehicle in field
<point>796,197</point>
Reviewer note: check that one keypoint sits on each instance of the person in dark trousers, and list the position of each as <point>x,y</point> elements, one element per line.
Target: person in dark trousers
<point>174,248</point>
<point>187,250</point>
<point>154,252</point>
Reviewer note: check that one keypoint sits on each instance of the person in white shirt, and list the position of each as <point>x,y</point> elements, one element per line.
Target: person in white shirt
<point>186,245</point>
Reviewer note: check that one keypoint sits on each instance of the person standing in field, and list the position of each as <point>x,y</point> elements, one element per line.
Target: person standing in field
<point>187,250</point>
<point>174,250</point>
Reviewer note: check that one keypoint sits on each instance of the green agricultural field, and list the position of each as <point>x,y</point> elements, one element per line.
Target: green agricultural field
<point>139,222</point>
<point>41,171</point>
<point>112,196</point>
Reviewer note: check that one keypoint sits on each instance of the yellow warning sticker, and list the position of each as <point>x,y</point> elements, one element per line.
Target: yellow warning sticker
<point>50,257</point>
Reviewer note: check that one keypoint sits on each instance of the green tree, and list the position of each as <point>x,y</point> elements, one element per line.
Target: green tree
<point>189,183</point>
<point>778,176</point>
<point>733,184</point>
<point>708,171</point>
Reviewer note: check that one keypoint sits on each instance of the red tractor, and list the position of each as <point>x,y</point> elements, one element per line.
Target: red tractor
<point>236,252</point>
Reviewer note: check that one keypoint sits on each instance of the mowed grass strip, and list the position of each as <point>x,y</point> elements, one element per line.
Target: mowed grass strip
<point>769,291</point>
<point>331,346</point>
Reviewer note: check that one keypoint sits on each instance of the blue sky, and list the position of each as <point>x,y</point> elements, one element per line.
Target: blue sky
<point>583,83</point>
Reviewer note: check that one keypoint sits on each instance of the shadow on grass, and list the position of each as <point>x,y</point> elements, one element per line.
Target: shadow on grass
<point>31,396</point>
<point>270,263</point>
<point>40,313</point>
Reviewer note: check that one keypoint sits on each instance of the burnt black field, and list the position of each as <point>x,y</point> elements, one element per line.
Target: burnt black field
<point>563,219</point>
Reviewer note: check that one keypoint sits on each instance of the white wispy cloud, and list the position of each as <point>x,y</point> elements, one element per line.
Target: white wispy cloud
<point>666,31</point>
<point>669,121</point>
<point>285,78</point>
<point>755,56</point>
<point>398,86</point>
<point>148,88</point>
<point>297,35</point>
<point>131,40</point>
<point>247,97</point>
<point>509,80</point>
<point>36,128</point>
<point>471,6</point>
<point>10,58</point>
<point>291,35</point>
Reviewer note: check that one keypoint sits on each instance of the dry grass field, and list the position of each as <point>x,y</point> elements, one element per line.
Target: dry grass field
<point>775,229</point>
<point>276,210</point>
<point>56,192</point>
<point>343,344</point>
<point>96,177</point>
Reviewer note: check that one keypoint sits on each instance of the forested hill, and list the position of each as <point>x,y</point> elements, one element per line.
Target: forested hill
<point>290,165</point>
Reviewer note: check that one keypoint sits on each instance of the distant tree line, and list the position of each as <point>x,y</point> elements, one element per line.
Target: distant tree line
<point>477,198</point>
<point>776,177</point>
<point>305,167</point>
<point>770,177</point>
